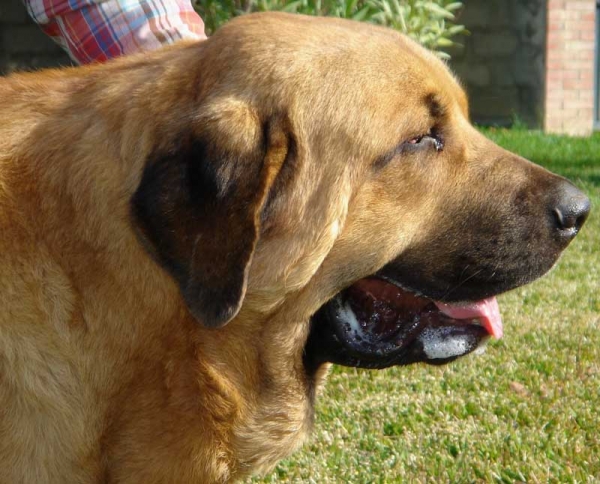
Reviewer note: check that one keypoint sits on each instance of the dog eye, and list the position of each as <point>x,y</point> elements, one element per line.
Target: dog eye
<point>431,138</point>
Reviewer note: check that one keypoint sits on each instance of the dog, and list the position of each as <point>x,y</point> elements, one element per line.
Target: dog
<point>189,238</point>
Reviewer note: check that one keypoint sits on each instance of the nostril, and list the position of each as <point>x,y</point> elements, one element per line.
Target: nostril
<point>566,222</point>
<point>572,211</point>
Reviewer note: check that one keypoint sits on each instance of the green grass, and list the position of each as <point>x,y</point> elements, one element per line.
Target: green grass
<point>525,411</point>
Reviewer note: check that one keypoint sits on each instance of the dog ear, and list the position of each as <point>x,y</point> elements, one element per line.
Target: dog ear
<point>198,207</point>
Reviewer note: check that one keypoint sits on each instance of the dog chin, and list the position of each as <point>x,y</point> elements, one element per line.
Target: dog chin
<point>376,323</point>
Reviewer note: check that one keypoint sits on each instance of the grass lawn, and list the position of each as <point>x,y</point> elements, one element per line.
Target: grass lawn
<point>526,410</point>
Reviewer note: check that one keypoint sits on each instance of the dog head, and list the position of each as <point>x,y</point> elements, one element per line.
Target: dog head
<point>327,170</point>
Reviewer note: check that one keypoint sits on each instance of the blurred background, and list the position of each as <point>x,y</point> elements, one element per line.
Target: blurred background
<point>530,63</point>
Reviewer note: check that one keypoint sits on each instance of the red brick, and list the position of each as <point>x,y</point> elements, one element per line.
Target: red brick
<point>589,16</point>
<point>578,65</point>
<point>570,115</point>
<point>578,45</point>
<point>575,63</point>
<point>570,55</point>
<point>552,117</point>
<point>568,34</point>
<point>579,123</point>
<point>581,55</point>
<point>556,14</point>
<point>553,43</point>
<point>553,126</point>
<point>587,35</point>
<point>555,25</point>
<point>555,64</point>
<point>581,5</point>
<point>578,105</point>
<point>555,94</point>
<point>571,95</point>
<point>578,114</point>
<point>552,84</point>
<point>563,74</point>
<point>578,84</point>
<point>580,25</point>
<point>558,55</point>
<point>572,14</point>
<point>554,104</point>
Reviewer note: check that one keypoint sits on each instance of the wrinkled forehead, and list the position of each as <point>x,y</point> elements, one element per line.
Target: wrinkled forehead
<point>394,72</point>
<point>353,73</point>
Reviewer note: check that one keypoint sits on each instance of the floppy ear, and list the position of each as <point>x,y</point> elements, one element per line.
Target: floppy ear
<point>198,207</point>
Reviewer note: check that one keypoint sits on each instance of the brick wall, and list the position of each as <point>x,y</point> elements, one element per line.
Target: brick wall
<point>22,44</point>
<point>569,106</point>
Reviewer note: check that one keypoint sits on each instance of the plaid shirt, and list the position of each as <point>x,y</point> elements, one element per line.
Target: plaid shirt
<point>97,30</point>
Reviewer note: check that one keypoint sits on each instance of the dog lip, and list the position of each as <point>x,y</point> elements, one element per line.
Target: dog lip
<point>377,323</point>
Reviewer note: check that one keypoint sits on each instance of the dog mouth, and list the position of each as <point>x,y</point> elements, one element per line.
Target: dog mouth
<point>376,323</point>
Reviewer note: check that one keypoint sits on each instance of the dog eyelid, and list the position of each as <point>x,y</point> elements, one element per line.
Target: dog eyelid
<point>432,134</point>
<point>411,145</point>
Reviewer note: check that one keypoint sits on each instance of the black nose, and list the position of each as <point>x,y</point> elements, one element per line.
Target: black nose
<point>571,210</point>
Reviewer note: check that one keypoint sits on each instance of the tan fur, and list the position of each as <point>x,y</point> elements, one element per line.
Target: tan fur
<point>105,377</point>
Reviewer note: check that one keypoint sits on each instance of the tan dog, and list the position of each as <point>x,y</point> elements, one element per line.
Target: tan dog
<point>178,231</point>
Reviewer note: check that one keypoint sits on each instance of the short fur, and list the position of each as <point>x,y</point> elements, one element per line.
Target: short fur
<point>236,183</point>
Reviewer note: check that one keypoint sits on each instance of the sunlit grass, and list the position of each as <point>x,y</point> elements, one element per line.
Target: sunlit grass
<point>525,411</point>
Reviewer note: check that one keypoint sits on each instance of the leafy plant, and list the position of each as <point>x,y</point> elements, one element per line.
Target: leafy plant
<point>430,23</point>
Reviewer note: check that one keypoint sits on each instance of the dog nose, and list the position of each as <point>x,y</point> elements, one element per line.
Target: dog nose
<point>571,210</point>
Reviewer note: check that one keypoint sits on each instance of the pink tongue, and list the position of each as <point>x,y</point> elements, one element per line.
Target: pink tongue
<point>486,311</point>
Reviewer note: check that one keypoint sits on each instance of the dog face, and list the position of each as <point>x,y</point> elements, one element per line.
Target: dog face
<point>332,165</point>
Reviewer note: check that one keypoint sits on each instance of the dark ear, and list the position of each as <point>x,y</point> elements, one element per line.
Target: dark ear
<point>198,208</point>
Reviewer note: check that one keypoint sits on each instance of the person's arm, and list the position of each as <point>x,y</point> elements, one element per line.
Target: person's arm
<point>97,30</point>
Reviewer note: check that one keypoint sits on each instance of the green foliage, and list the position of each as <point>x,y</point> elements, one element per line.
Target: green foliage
<point>429,22</point>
